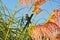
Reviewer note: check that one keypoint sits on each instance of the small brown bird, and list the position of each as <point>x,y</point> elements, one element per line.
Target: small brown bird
<point>28,19</point>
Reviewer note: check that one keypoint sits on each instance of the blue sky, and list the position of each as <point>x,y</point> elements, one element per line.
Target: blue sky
<point>47,8</point>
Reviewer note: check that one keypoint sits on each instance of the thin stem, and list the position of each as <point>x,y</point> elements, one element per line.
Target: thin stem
<point>10,22</point>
